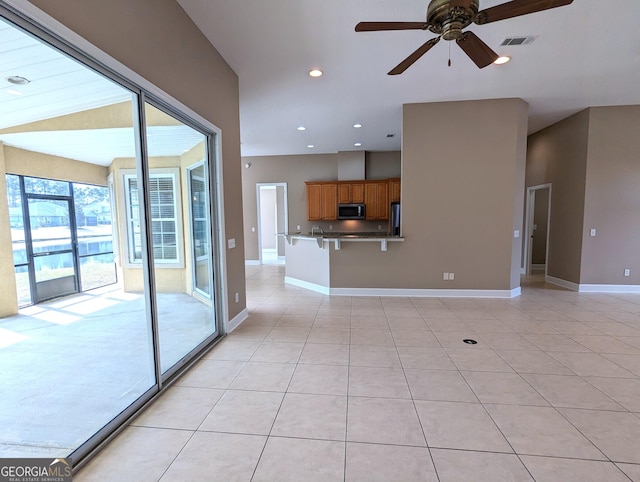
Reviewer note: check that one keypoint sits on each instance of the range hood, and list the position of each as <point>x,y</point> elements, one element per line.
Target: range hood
<point>351,165</point>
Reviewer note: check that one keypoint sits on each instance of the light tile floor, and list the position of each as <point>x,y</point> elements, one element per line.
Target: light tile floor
<point>314,387</point>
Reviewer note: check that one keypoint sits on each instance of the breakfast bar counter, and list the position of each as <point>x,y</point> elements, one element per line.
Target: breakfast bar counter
<point>308,257</point>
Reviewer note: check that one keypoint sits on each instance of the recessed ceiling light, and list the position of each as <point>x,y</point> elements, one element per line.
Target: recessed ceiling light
<point>310,146</point>
<point>358,144</point>
<point>357,126</point>
<point>17,80</point>
<point>13,92</point>
<point>315,73</point>
<point>302,128</point>
<point>502,60</point>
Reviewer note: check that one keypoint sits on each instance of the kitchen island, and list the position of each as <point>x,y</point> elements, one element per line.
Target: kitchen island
<point>308,257</point>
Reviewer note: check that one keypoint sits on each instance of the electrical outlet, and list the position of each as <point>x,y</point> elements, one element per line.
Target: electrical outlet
<point>297,227</point>
<point>445,276</point>
<point>379,227</point>
<point>331,227</point>
<point>627,272</point>
<point>253,230</point>
<point>237,297</point>
<point>451,276</point>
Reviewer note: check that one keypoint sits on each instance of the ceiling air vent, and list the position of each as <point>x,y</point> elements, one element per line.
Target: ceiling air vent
<point>518,40</point>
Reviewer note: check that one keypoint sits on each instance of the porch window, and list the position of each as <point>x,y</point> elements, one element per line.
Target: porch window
<point>164,194</point>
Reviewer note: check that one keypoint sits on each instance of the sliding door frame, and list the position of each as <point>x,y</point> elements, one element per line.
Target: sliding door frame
<point>35,22</point>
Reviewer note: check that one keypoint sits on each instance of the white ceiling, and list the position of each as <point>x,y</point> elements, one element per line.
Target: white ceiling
<point>585,54</point>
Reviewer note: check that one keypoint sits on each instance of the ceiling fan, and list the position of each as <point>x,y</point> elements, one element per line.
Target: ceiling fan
<point>447,19</point>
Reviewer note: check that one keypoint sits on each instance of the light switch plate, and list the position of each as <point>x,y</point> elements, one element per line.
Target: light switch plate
<point>516,233</point>
<point>592,232</point>
<point>231,242</point>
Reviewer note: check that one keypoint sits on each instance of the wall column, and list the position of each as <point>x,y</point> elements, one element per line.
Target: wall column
<point>8,292</point>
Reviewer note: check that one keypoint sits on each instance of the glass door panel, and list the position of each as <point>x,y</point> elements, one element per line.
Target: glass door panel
<point>52,247</point>
<point>180,230</point>
<point>201,259</point>
<point>71,366</point>
<point>92,207</point>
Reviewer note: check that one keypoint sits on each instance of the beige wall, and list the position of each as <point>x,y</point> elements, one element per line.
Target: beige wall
<point>29,163</point>
<point>8,293</point>
<point>383,165</point>
<point>462,189</point>
<point>156,39</point>
<point>558,155</point>
<point>612,197</point>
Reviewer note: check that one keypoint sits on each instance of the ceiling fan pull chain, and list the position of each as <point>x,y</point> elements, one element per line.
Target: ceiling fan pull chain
<point>449,54</point>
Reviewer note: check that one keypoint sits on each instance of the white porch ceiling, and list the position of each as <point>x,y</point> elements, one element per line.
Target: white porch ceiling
<point>60,85</point>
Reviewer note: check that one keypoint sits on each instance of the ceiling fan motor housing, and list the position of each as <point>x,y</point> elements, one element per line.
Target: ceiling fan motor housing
<point>447,20</point>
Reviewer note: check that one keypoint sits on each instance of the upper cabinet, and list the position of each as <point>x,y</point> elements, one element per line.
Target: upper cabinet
<point>376,198</point>
<point>323,197</point>
<point>322,201</point>
<point>350,192</point>
<point>394,190</point>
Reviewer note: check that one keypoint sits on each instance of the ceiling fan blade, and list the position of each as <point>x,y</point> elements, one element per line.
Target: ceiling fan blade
<point>410,60</point>
<point>476,49</point>
<point>376,26</point>
<point>516,8</point>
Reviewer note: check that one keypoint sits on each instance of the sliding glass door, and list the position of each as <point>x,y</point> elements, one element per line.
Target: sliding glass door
<point>109,206</point>
<point>181,230</point>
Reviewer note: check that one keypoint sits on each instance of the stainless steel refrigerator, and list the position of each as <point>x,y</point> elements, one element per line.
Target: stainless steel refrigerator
<point>394,219</point>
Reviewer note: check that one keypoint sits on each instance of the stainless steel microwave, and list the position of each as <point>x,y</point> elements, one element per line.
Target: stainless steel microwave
<point>351,211</point>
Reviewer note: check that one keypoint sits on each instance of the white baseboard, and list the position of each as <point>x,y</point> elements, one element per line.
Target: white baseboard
<point>237,320</point>
<point>425,293</point>
<point>252,262</point>
<point>306,285</point>
<point>609,289</point>
<point>592,288</point>
<point>402,292</point>
<point>562,283</point>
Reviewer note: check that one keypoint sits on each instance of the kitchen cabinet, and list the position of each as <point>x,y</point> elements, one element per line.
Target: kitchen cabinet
<point>376,198</point>
<point>394,190</point>
<point>322,201</point>
<point>350,192</point>
<point>323,197</point>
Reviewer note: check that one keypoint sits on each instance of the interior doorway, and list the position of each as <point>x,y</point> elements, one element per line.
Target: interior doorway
<point>538,216</point>
<point>272,221</point>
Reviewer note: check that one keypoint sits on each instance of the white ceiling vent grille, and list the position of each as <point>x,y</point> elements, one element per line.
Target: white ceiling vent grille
<point>519,40</point>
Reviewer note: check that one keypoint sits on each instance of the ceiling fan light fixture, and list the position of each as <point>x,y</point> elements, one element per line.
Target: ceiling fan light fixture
<point>503,59</point>
<point>315,73</point>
